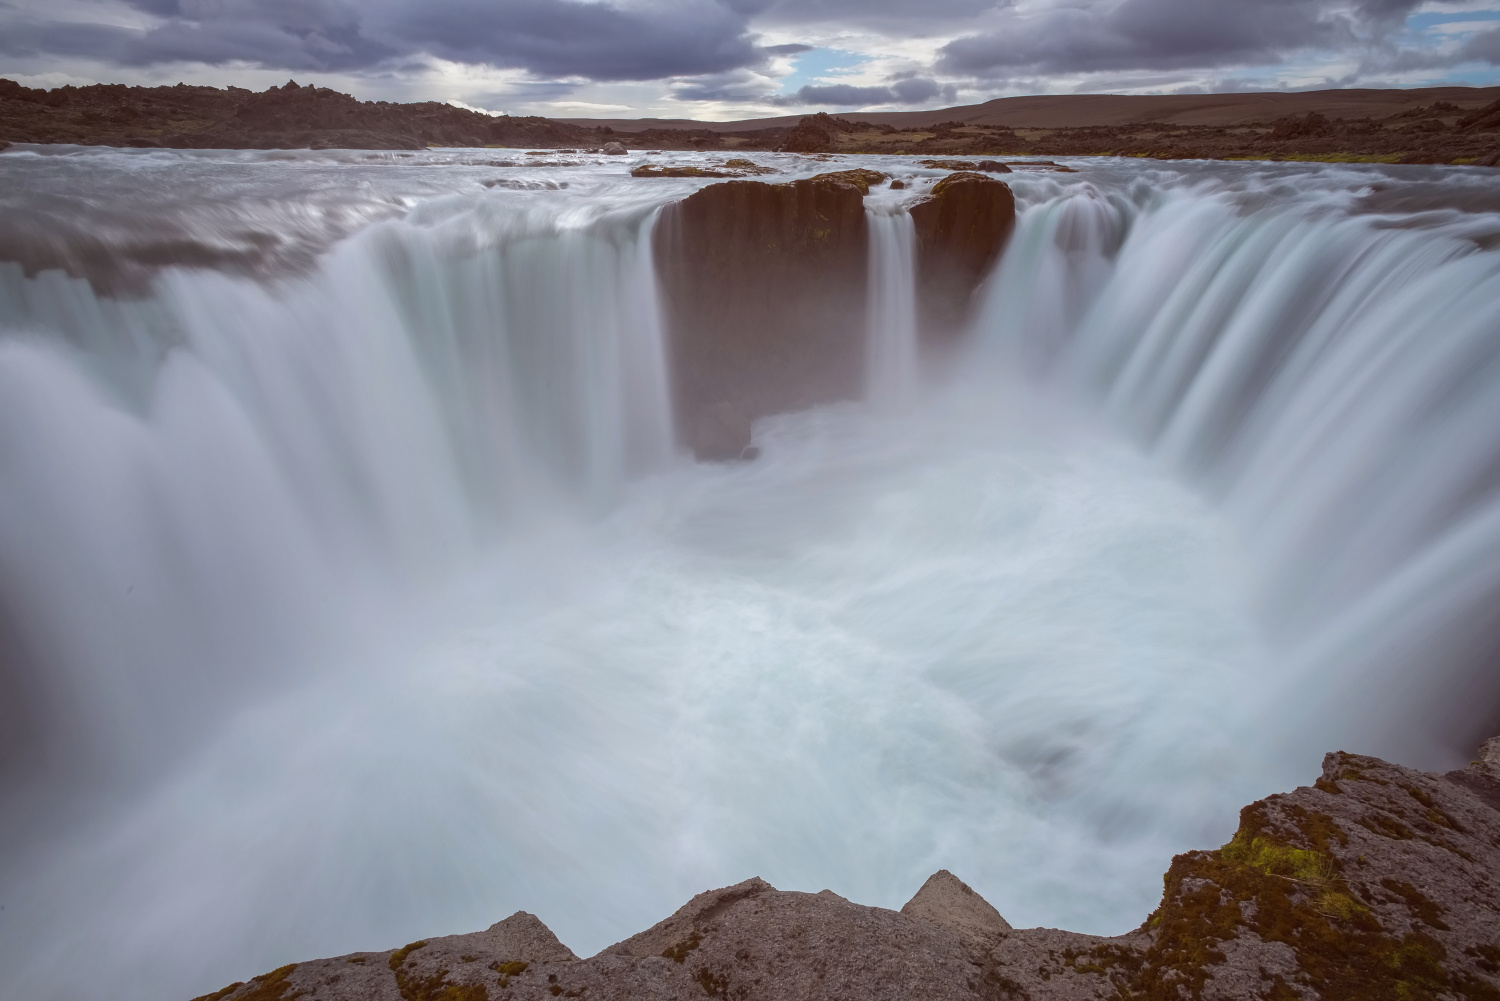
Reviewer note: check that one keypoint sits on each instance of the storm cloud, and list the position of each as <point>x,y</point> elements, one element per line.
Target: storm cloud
<point>912,90</point>
<point>555,38</point>
<point>746,53</point>
<point>1168,34</point>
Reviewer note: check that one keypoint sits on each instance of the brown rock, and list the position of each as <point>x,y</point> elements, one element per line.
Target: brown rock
<point>1485,119</point>
<point>521,936</point>
<point>807,137</point>
<point>763,291</point>
<point>961,229</point>
<point>860,177</point>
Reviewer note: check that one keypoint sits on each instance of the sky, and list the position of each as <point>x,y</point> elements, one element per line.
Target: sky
<point>730,59</point>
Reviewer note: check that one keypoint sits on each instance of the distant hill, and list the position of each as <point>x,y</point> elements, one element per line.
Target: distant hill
<point>1433,125</point>
<point>1071,111</point>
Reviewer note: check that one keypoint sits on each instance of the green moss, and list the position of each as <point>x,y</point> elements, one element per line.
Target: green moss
<point>1428,912</point>
<point>712,986</point>
<point>1340,157</point>
<point>679,953</point>
<point>266,987</point>
<point>433,987</point>
<point>399,956</point>
<point>1292,893</point>
<point>509,969</point>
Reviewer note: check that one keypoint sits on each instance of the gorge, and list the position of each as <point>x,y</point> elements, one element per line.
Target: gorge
<point>359,582</point>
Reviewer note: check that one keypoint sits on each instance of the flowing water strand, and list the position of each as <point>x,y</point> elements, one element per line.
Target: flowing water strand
<point>892,364</point>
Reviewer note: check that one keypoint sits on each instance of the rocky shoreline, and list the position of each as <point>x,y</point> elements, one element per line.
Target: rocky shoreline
<point>297,117</point>
<point>1376,883</point>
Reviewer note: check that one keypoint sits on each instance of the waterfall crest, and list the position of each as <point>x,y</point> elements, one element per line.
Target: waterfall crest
<point>891,367</point>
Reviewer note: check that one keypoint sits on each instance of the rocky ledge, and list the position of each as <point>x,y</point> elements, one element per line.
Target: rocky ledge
<point>1377,883</point>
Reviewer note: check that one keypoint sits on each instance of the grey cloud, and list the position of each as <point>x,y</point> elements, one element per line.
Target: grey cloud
<point>1483,47</point>
<point>786,50</point>
<point>911,90</point>
<point>740,88</point>
<point>553,38</point>
<point>930,15</point>
<point>593,40</point>
<point>1165,34</point>
<point>843,95</point>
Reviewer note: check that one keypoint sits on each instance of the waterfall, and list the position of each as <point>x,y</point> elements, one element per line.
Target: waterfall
<point>1332,380</point>
<point>354,590</point>
<point>891,368</point>
<point>200,482</point>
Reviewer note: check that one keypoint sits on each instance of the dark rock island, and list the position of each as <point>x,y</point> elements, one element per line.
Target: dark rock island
<point>765,290</point>
<point>1377,883</point>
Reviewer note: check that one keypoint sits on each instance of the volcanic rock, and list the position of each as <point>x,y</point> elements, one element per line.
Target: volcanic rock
<point>1378,883</point>
<point>1485,119</point>
<point>961,229</point>
<point>763,288</point>
<point>807,137</point>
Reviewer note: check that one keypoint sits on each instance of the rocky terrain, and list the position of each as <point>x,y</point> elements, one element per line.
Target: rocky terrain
<point>292,116</point>
<point>1376,883</point>
<point>765,287</point>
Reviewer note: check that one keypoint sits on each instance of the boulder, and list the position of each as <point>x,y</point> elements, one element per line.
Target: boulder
<point>1485,119</point>
<point>807,136</point>
<point>948,902</point>
<point>763,289</point>
<point>961,228</point>
<point>614,149</point>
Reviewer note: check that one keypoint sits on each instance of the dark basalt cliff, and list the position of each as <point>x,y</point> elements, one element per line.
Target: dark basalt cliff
<point>765,291</point>
<point>1377,883</point>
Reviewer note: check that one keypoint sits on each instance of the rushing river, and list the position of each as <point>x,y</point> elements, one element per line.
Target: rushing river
<point>353,588</point>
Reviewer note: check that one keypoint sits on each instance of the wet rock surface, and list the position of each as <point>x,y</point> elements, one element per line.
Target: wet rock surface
<point>961,229</point>
<point>1377,883</point>
<point>763,289</point>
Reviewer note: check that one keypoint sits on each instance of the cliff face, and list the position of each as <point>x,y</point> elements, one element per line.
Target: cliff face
<point>764,289</point>
<point>1377,883</point>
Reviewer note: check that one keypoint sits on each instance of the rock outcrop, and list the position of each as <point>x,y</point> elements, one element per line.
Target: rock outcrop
<point>1377,883</point>
<point>961,229</point>
<point>764,289</point>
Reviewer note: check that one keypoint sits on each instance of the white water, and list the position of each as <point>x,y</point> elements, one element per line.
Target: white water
<point>891,368</point>
<point>362,596</point>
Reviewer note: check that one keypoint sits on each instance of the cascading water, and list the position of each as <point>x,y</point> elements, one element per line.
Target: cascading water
<point>353,590</point>
<point>891,366</point>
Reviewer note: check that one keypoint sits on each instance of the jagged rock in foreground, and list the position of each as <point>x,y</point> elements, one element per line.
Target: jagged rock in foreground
<point>961,229</point>
<point>764,293</point>
<point>1378,883</point>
